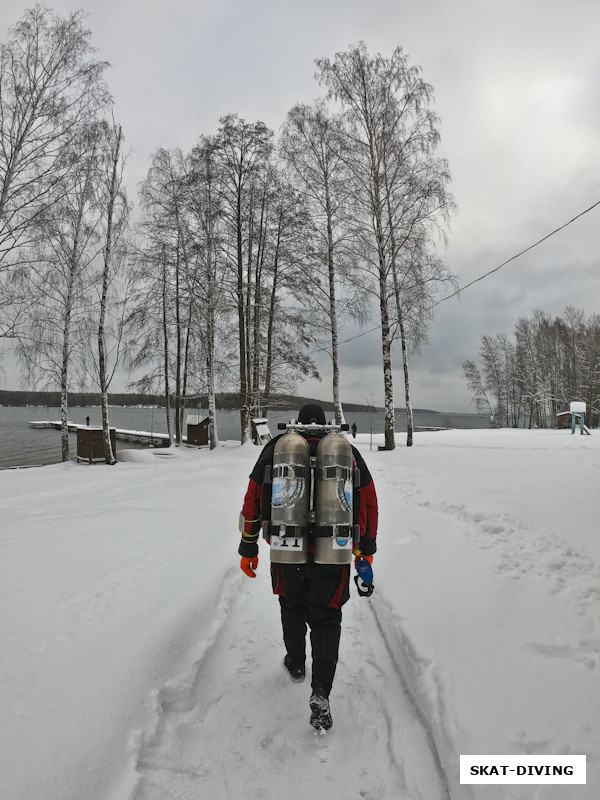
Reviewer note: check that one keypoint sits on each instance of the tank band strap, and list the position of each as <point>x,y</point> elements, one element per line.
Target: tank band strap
<point>289,471</point>
<point>333,531</point>
<point>334,472</point>
<point>290,532</point>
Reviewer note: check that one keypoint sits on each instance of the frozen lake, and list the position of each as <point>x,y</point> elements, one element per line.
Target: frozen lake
<point>21,445</point>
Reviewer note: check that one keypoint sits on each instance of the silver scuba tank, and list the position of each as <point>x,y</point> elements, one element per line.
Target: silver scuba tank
<point>333,500</point>
<point>290,500</point>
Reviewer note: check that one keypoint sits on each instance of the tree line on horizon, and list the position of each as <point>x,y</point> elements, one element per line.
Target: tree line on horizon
<point>249,253</point>
<point>225,401</point>
<point>532,378</point>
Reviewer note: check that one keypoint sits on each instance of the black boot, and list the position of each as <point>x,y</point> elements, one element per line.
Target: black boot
<point>320,714</point>
<point>295,671</point>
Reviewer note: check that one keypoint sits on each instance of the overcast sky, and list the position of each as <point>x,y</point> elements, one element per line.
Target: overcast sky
<point>517,87</point>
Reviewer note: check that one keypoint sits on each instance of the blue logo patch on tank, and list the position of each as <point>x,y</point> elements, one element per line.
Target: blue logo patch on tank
<point>342,543</point>
<point>278,492</point>
<point>348,492</point>
<point>285,491</point>
<point>344,493</point>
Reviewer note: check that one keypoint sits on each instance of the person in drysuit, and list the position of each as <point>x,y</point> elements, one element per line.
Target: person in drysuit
<point>311,595</point>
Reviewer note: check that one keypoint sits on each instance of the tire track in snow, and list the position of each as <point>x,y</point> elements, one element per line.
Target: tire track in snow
<point>397,645</point>
<point>237,727</point>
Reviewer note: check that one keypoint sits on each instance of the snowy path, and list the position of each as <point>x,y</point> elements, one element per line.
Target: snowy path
<point>488,596</point>
<point>237,727</point>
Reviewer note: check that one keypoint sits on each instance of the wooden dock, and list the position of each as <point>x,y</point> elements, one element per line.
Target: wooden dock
<point>143,437</point>
<point>420,428</point>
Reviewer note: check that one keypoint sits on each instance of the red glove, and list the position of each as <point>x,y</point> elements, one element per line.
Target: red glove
<point>248,565</point>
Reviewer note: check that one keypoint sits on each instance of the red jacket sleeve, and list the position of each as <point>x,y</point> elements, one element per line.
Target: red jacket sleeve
<point>250,516</point>
<point>368,516</point>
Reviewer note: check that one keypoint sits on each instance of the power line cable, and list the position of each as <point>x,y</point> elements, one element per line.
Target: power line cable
<point>512,258</point>
<point>485,275</point>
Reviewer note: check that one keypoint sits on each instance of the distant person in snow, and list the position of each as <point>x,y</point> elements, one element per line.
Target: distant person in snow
<point>354,429</point>
<point>310,562</point>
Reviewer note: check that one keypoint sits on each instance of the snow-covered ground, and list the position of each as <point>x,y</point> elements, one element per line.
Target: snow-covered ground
<point>137,662</point>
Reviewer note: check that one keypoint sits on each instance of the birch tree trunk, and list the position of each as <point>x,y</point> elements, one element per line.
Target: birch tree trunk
<point>388,381</point>
<point>109,456</point>
<point>244,412</point>
<point>210,386</point>
<point>272,307</point>
<point>333,321</point>
<point>64,383</point>
<point>178,356</point>
<point>210,335</point>
<point>74,267</point>
<point>166,365</point>
<point>66,340</point>
<point>409,412</point>
<point>386,334</point>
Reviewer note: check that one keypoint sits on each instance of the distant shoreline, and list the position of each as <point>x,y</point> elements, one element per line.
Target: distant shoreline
<point>225,401</point>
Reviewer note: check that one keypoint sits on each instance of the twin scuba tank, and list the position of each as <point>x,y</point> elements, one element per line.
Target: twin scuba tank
<point>312,498</point>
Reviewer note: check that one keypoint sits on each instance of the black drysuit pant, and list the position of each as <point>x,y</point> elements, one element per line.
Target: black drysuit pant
<point>312,595</point>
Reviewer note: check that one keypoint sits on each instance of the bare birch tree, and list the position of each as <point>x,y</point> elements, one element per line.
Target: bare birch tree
<point>203,266</point>
<point>279,290</point>
<point>551,362</point>
<point>245,149</point>
<point>61,277</point>
<point>392,133</point>
<point>313,147</point>
<point>288,293</point>
<point>115,209</point>
<point>157,287</point>
<point>49,88</point>
<point>476,385</point>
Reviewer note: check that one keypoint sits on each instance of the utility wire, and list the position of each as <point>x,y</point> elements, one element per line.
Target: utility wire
<point>512,258</point>
<point>487,274</point>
